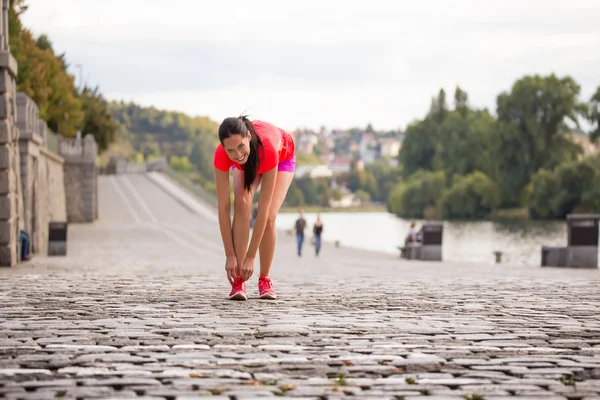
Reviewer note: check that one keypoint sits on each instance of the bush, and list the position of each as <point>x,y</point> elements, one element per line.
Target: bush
<point>410,199</point>
<point>570,187</point>
<point>471,196</point>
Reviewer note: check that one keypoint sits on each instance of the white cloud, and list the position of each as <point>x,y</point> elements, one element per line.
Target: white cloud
<point>333,63</point>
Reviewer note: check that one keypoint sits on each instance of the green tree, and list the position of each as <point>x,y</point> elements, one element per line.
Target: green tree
<point>556,193</point>
<point>471,196</point>
<point>202,157</point>
<point>464,144</point>
<point>356,179</point>
<point>590,198</point>
<point>323,191</point>
<point>336,194</point>
<point>362,196</point>
<point>461,103</point>
<point>181,164</point>
<point>439,107</point>
<point>308,186</point>
<point>385,178</point>
<point>594,115</point>
<point>98,119</point>
<point>411,198</point>
<point>44,43</point>
<point>294,197</point>
<point>157,133</point>
<point>419,147</point>
<point>532,121</point>
<point>544,185</point>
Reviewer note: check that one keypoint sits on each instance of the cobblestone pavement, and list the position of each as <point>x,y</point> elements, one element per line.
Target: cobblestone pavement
<point>138,309</point>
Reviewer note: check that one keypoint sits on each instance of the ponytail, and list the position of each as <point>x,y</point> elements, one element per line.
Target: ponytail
<point>251,166</point>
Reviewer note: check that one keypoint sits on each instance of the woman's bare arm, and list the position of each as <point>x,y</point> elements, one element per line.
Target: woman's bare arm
<point>224,211</point>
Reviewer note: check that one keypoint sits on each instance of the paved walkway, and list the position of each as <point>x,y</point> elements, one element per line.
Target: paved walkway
<point>138,309</point>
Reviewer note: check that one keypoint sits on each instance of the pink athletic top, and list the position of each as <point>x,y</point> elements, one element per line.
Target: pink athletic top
<point>278,147</point>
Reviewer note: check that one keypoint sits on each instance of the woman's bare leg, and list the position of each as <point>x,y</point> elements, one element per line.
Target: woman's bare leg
<point>269,239</point>
<point>242,208</point>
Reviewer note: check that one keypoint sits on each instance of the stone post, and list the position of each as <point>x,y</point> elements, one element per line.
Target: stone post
<point>582,240</point>
<point>81,175</point>
<point>11,202</point>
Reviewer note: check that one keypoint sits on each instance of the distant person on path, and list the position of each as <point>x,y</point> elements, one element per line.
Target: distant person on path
<point>300,226</point>
<point>256,152</point>
<point>317,231</point>
<point>253,217</point>
<point>413,236</point>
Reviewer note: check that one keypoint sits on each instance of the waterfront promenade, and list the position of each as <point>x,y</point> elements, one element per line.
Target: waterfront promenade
<point>138,309</point>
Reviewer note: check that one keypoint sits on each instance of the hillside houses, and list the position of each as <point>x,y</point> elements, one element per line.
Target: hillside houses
<point>336,149</point>
<point>331,155</point>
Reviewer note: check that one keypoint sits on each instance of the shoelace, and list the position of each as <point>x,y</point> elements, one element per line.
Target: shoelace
<point>266,281</point>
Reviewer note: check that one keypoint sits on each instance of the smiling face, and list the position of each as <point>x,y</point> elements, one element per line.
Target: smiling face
<point>237,148</point>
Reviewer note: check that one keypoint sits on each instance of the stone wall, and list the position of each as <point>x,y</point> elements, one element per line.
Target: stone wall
<point>81,178</point>
<point>37,184</point>
<point>42,176</point>
<point>11,202</point>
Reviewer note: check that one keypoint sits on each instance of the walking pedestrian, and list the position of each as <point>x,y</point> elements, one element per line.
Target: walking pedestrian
<point>300,226</point>
<point>317,231</point>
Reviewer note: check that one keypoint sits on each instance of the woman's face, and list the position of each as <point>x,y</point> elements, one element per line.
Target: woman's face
<point>237,147</point>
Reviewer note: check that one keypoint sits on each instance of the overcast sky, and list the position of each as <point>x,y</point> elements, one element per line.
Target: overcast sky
<point>326,62</point>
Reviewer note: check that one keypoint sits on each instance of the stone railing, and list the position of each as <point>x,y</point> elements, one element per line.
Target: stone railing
<point>42,175</point>
<point>77,149</point>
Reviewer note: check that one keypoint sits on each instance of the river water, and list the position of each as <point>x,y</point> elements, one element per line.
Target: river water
<point>521,243</point>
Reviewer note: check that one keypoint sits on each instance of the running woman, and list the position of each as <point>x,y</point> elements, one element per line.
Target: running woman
<point>257,152</point>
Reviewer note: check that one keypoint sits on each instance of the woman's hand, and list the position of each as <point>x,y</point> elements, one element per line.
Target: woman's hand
<point>231,267</point>
<point>247,268</point>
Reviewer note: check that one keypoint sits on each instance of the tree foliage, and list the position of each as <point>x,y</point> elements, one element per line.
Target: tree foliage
<point>523,157</point>
<point>570,186</point>
<point>156,133</point>
<point>413,197</point>
<point>594,115</point>
<point>532,121</point>
<point>98,119</point>
<point>471,196</point>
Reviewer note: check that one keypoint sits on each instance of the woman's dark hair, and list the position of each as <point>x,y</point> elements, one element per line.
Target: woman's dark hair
<point>241,126</point>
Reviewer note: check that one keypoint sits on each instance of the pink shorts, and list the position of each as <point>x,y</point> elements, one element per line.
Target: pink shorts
<point>287,166</point>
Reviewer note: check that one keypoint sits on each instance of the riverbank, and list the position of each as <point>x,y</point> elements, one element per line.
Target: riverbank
<point>321,209</point>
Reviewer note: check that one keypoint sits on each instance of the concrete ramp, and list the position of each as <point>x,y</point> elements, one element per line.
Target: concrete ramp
<point>182,196</point>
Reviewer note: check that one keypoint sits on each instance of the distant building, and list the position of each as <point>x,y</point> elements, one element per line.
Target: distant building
<point>390,147</point>
<point>341,165</point>
<point>305,142</point>
<point>584,141</point>
<point>368,148</point>
<point>348,200</point>
<point>313,171</point>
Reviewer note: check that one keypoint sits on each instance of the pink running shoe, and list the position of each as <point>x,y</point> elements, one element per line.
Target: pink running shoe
<point>265,288</point>
<point>238,290</point>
